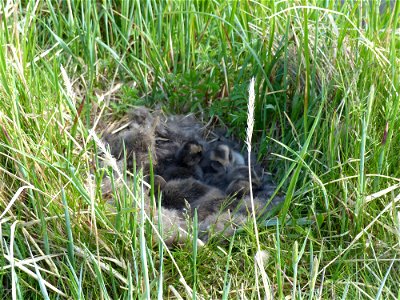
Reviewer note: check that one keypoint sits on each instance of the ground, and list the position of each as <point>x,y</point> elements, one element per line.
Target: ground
<point>326,126</point>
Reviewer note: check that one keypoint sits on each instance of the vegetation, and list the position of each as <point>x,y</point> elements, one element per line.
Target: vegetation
<point>326,125</point>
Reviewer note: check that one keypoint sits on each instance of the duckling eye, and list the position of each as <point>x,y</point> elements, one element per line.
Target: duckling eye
<point>197,157</point>
<point>217,166</point>
<point>230,156</point>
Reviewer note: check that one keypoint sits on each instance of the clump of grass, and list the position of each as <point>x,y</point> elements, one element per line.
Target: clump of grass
<point>325,119</point>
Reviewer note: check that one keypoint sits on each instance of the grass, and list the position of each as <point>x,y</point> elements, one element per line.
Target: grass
<point>326,125</point>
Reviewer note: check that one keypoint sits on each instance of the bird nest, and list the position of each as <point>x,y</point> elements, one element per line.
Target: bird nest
<point>196,166</point>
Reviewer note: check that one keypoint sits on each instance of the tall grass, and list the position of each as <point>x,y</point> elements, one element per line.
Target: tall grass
<point>326,122</point>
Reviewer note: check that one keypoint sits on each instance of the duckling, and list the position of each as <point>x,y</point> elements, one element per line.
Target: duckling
<point>135,137</point>
<point>219,158</point>
<point>135,144</point>
<point>216,212</point>
<point>220,135</point>
<point>237,181</point>
<point>174,131</point>
<point>224,168</point>
<point>262,185</point>
<point>179,193</point>
<point>224,222</point>
<point>185,163</point>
